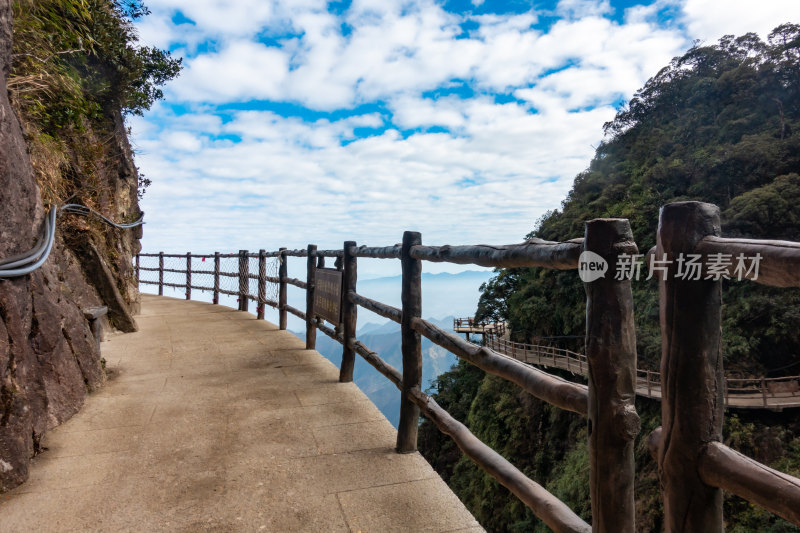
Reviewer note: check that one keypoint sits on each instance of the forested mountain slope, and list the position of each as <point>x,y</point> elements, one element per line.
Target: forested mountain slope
<point>719,124</point>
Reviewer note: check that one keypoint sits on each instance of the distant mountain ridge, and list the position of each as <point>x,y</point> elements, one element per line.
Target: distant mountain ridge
<point>444,296</point>
<point>384,339</point>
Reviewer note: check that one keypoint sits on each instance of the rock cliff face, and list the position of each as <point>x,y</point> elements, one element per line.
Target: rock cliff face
<point>49,360</point>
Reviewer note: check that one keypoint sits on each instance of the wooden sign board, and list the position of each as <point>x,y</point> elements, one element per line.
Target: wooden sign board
<point>328,295</point>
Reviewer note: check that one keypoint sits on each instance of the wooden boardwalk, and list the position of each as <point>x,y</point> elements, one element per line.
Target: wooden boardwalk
<point>772,393</point>
<point>215,421</point>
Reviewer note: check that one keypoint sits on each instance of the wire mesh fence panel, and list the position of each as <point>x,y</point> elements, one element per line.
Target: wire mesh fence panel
<point>203,274</point>
<point>201,281</point>
<point>175,271</point>
<point>229,273</point>
<point>148,270</point>
<point>270,270</point>
<point>252,285</point>
<point>273,269</point>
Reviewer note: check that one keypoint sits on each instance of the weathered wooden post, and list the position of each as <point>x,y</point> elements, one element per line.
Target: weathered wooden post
<point>411,297</point>
<point>311,285</point>
<point>161,273</point>
<point>188,275</point>
<point>262,283</point>
<point>611,355</point>
<point>244,280</point>
<point>691,371</point>
<point>349,311</point>
<point>216,277</point>
<point>282,275</point>
<point>138,276</point>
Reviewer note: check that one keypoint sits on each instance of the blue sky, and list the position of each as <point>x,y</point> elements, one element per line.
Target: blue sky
<point>312,121</point>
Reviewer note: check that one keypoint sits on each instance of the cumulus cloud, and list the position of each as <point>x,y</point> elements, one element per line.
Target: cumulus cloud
<point>292,123</point>
<point>708,20</point>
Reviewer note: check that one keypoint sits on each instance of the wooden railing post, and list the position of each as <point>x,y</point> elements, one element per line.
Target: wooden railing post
<point>611,355</point>
<point>188,275</point>
<point>161,273</point>
<point>262,283</point>
<point>216,278</point>
<point>311,282</point>
<point>282,275</point>
<point>764,391</point>
<point>244,280</point>
<point>137,270</point>
<point>411,297</point>
<point>349,312</point>
<point>691,371</point>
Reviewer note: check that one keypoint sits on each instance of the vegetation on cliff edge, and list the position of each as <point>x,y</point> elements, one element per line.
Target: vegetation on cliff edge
<point>719,124</point>
<point>76,68</point>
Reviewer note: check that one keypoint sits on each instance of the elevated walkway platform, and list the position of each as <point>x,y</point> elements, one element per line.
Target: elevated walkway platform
<point>215,421</point>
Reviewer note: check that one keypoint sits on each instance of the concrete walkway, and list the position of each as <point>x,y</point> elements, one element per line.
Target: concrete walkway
<point>215,421</point>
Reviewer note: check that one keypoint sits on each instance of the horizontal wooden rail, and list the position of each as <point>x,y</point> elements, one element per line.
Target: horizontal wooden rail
<point>296,253</point>
<point>552,389</point>
<point>271,303</point>
<point>379,252</point>
<point>173,285</point>
<point>779,265</point>
<point>390,372</point>
<point>727,469</point>
<point>296,312</point>
<point>258,255</point>
<point>296,282</point>
<point>534,252</point>
<point>330,253</point>
<point>329,332</point>
<point>174,270</point>
<point>229,293</point>
<point>386,311</point>
<point>544,505</point>
<point>183,256</point>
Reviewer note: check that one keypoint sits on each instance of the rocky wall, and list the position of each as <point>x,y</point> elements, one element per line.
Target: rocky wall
<point>49,360</point>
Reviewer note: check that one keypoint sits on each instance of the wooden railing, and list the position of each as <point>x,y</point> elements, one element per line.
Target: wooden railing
<point>693,462</point>
<point>744,393</point>
<point>482,327</point>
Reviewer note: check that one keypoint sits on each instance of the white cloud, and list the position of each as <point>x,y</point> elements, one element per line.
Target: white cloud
<point>182,141</point>
<point>241,71</point>
<point>577,9</point>
<point>250,178</point>
<point>709,20</point>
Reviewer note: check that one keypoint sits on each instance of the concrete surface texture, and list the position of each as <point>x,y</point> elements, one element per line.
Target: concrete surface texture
<point>215,421</point>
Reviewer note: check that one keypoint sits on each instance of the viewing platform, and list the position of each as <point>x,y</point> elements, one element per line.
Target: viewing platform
<point>212,420</point>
